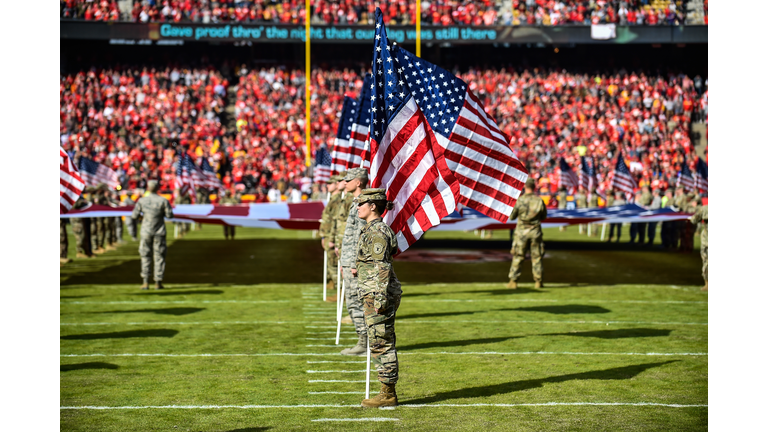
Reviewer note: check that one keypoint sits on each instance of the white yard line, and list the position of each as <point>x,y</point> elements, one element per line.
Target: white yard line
<point>331,392</point>
<point>334,371</point>
<point>337,381</point>
<point>553,301</point>
<point>400,323</point>
<point>651,354</point>
<point>335,361</point>
<point>547,404</point>
<point>151,323</point>
<point>174,302</point>
<point>368,419</point>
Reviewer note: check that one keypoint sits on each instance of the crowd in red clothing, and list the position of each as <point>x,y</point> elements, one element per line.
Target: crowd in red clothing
<point>138,121</point>
<point>436,12</point>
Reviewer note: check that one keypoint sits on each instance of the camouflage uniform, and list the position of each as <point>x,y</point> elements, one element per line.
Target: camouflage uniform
<point>348,241</point>
<point>686,240</point>
<point>529,212</point>
<point>562,199</point>
<point>228,199</point>
<point>702,216</point>
<point>326,222</point>
<point>154,208</point>
<point>581,199</point>
<point>81,228</point>
<point>183,227</point>
<point>679,201</point>
<point>380,290</point>
<point>130,223</point>
<point>97,233</point>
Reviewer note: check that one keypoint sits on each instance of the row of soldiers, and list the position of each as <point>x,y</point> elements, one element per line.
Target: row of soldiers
<point>95,236</point>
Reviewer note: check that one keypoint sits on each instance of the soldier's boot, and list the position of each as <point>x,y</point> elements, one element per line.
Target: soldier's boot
<point>387,397</point>
<point>64,260</point>
<point>358,350</point>
<point>332,298</point>
<point>99,251</point>
<point>330,286</point>
<point>705,287</point>
<point>145,285</point>
<point>110,247</point>
<point>539,285</point>
<point>512,284</point>
<point>346,320</point>
<point>82,255</point>
<point>159,285</point>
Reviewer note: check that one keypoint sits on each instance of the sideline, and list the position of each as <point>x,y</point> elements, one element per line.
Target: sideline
<point>405,405</point>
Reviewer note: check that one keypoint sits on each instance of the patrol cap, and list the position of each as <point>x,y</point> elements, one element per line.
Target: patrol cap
<point>152,185</point>
<point>530,183</point>
<point>333,179</point>
<point>356,173</point>
<point>369,195</point>
<point>342,176</point>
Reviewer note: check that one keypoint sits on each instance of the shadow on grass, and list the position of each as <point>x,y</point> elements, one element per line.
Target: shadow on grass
<point>167,292</point>
<point>91,365</point>
<point>433,315</point>
<point>252,429</point>
<point>455,343</point>
<point>167,311</point>
<point>165,333</point>
<point>617,334</point>
<point>619,373</point>
<point>561,310</point>
<point>73,297</point>
<point>505,291</point>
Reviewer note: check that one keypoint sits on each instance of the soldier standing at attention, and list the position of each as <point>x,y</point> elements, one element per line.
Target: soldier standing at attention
<point>325,228</point>
<point>380,291</point>
<point>130,223</point>
<point>333,256</point>
<point>154,208</point>
<point>667,226</point>
<point>618,201</point>
<point>529,212</point>
<point>182,199</point>
<point>679,202</point>
<point>96,242</point>
<point>702,216</point>
<point>202,196</point>
<point>637,229</point>
<point>81,227</point>
<point>228,200</point>
<point>357,179</point>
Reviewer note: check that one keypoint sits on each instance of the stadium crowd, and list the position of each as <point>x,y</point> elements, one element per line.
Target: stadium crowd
<point>139,120</point>
<point>436,12</point>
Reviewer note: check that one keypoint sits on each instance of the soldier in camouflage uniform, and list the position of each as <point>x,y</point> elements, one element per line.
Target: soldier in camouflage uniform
<point>202,196</point>
<point>154,208</point>
<point>228,200</point>
<point>679,202</point>
<point>702,216</point>
<point>562,201</point>
<point>130,223</point>
<point>328,233</point>
<point>110,222</point>
<point>349,233</point>
<point>529,212</point>
<point>183,228</point>
<point>637,229</point>
<point>81,228</point>
<point>325,223</point>
<point>97,241</point>
<point>380,291</point>
<point>689,230</point>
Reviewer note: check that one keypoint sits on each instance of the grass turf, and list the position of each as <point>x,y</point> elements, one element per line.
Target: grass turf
<point>594,335</point>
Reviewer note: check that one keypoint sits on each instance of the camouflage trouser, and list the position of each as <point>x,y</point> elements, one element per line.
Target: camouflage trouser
<point>63,240</point>
<point>94,233</point>
<point>118,228</point>
<point>111,228</point>
<point>131,224</point>
<point>152,247</point>
<point>102,226</point>
<point>229,231</point>
<point>380,309</point>
<point>82,231</point>
<point>354,304</point>
<point>705,263</point>
<point>519,248</point>
<point>333,263</point>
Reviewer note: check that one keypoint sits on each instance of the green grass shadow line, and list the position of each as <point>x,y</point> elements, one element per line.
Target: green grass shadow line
<point>164,333</point>
<point>90,365</point>
<point>179,311</point>
<point>560,309</point>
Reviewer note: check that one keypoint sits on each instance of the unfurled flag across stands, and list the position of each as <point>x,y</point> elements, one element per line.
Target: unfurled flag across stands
<point>94,173</point>
<point>342,153</point>
<point>622,177</point>
<point>71,185</point>
<point>322,166</point>
<point>188,176</point>
<point>702,176</point>
<point>358,140</point>
<point>568,178</point>
<point>685,178</point>
<point>587,178</point>
<point>490,175</point>
<point>405,156</point>
<point>209,175</point>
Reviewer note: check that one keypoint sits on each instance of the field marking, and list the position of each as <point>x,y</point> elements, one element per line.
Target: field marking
<point>367,419</point>
<point>556,301</point>
<point>549,322</point>
<point>336,381</point>
<point>330,392</point>
<point>406,322</point>
<point>399,353</point>
<point>334,361</point>
<point>334,371</point>
<point>330,339</point>
<point>174,302</point>
<point>405,405</point>
<point>151,323</point>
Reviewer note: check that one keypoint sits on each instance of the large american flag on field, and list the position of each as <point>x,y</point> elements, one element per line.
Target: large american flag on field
<point>702,176</point>
<point>94,173</point>
<point>71,185</point>
<point>188,175</point>
<point>210,179</point>
<point>406,158</point>
<point>622,177</point>
<point>358,140</point>
<point>322,166</point>
<point>490,175</point>
<point>685,177</point>
<point>568,178</point>
<point>587,177</point>
<point>342,153</point>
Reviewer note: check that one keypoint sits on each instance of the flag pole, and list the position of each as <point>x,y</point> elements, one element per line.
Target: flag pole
<point>325,272</point>
<point>307,82</point>
<point>338,321</point>
<point>418,29</point>
<point>368,372</point>
<point>338,290</point>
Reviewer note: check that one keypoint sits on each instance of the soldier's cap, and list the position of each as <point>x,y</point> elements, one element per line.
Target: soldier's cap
<point>152,185</point>
<point>333,179</point>
<point>370,195</point>
<point>356,173</point>
<point>530,183</point>
<point>89,189</point>
<point>342,176</point>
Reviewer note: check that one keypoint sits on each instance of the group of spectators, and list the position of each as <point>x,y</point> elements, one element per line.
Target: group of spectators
<point>138,121</point>
<point>435,12</point>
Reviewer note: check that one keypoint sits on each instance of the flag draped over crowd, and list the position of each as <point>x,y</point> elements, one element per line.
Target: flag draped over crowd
<point>71,185</point>
<point>94,173</point>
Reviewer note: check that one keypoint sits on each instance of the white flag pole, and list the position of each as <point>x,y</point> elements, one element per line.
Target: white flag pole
<point>325,272</point>
<point>368,372</point>
<point>602,235</point>
<point>338,289</point>
<point>338,316</point>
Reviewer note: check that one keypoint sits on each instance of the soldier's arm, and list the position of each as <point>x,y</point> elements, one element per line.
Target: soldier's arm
<point>515,212</point>
<point>136,210</point>
<point>543,210</point>
<point>168,210</point>
<point>696,218</point>
<point>382,268</point>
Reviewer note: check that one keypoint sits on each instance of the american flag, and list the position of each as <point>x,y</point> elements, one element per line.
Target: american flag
<point>622,177</point>
<point>322,166</point>
<point>490,175</point>
<point>211,181</point>
<point>702,176</point>
<point>94,173</point>
<point>587,178</point>
<point>71,185</point>
<point>342,153</point>
<point>406,158</point>
<point>685,178</point>
<point>568,178</point>
<point>188,176</point>
<point>358,140</point>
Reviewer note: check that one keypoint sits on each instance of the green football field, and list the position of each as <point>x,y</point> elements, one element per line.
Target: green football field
<point>241,340</point>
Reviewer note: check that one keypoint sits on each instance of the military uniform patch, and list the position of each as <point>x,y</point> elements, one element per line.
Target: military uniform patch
<point>379,246</point>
